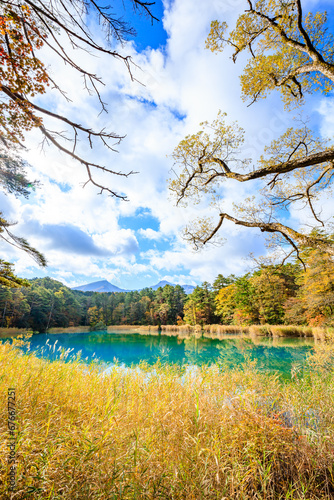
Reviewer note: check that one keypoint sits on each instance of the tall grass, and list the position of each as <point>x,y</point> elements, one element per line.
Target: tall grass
<point>70,329</point>
<point>259,330</point>
<point>12,332</point>
<point>166,432</point>
<point>225,329</point>
<point>150,328</point>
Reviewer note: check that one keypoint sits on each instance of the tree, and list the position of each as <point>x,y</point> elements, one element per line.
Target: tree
<point>222,282</point>
<point>13,172</point>
<point>200,306</point>
<point>316,293</point>
<point>263,297</point>
<point>225,304</point>
<point>19,311</point>
<point>13,179</point>
<point>269,296</point>
<point>246,311</point>
<point>40,300</point>
<point>25,27</point>
<point>289,51</point>
<point>294,54</point>
<point>95,316</point>
<point>18,242</point>
<point>8,278</point>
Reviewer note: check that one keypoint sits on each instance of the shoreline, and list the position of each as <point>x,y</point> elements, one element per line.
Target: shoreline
<point>219,332</point>
<point>212,331</point>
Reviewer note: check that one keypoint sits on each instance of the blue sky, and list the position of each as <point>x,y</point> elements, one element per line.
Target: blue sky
<point>87,237</point>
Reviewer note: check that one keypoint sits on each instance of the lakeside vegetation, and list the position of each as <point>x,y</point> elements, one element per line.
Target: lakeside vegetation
<point>168,431</point>
<point>81,431</point>
<point>271,295</point>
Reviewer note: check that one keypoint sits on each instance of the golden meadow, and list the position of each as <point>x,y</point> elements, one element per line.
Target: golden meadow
<point>166,432</point>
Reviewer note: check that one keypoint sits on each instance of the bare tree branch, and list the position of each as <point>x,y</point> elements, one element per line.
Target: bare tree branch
<point>45,23</point>
<point>295,238</point>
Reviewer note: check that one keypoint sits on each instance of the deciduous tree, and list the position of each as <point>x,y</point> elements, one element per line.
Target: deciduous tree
<point>316,291</point>
<point>28,25</point>
<point>269,296</point>
<point>226,304</point>
<point>291,52</point>
<point>200,306</point>
<point>63,27</point>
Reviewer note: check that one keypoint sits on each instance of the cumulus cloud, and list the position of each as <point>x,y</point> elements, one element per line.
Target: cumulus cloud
<point>67,238</point>
<point>184,84</point>
<point>150,234</point>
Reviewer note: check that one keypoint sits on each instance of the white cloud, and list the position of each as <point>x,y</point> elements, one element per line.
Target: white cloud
<point>326,110</point>
<point>150,234</point>
<point>120,242</point>
<point>182,79</point>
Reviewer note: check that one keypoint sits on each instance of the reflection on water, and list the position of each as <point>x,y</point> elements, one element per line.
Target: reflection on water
<point>270,354</point>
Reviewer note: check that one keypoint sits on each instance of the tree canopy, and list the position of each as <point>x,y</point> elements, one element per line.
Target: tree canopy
<point>13,179</point>
<point>28,25</point>
<point>8,278</point>
<point>63,27</point>
<point>271,294</point>
<point>293,53</point>
<point>289,51</point>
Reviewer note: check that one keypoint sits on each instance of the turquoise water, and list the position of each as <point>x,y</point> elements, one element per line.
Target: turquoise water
<point>132,348</point>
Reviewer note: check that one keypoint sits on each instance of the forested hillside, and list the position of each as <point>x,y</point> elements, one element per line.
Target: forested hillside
<point>273,294</point>
<point>48,303</point>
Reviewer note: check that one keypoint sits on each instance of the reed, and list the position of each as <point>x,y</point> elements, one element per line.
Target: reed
<point>234,329</point>
<point>330,333</point>
<point>149,328</point>
<point>168,432</point>
<point>259,330</point>
<point>115,328</point>
<point>225,329</point>
<point>288,331</point>
<point>70,329</point>
<point>170,329</point>
<point>185,329</point>
<point>318,333</point>
<point>12,332</point>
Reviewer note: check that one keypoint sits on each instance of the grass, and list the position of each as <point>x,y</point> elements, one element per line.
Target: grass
<point>166,432</point>
<point>259,330</point>
<point>291,331</point>
<point>213,331</point>
<point>225,329</point>
<point>70,329</point>
<point>12,332</point>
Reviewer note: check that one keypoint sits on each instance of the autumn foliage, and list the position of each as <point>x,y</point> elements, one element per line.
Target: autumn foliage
<point>22,74</point>
<point>291,51</point>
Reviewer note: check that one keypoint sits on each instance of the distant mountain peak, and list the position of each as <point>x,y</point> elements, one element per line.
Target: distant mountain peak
<point>99,286</point>
<point>164,283</point>
<point>187,288</point>
<point>104,286</point>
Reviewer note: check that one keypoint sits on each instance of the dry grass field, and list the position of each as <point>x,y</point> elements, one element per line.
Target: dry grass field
<point>166,432</point>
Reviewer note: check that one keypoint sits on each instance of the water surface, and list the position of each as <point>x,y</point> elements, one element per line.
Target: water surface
<point>132,348</point>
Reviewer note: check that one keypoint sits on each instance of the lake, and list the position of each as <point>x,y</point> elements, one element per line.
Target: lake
<point>132,348</point>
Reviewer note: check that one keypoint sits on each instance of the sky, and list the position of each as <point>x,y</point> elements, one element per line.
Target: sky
<point>87,237</point>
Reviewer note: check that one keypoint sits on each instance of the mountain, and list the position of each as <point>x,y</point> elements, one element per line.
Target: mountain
<point>105,286</point>
<point>160,284</point>
<point>99,286</point>
<point>187,288</point>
